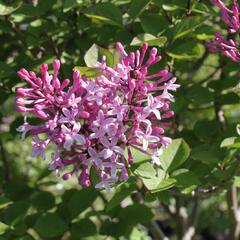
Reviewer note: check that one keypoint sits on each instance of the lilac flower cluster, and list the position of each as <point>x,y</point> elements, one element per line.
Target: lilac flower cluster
<point>231,17</point>
<point>95,123</point>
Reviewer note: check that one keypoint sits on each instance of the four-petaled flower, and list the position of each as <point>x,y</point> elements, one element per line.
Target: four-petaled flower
<point>147,137</point>
<point>72,134</point>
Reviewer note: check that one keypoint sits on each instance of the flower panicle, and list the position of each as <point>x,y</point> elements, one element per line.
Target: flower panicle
<point>96,123</point>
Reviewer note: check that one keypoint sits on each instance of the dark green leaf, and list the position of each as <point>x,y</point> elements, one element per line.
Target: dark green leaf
<point>43,201</point>
<point>137,213</point>
<point>50,225</point>
<point>105,12</point>
<point>187,181</point>
<point>122,191</point>
<point>81,200</point>
<point>137,6</point>
<point>186,26</point>
<point>4,202</point>
<point>83,228</point>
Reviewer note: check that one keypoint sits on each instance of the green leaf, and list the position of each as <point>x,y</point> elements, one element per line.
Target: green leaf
<point>151,183</point>
<point>43,201</point>
<point>187,50</point>
<point>83,228</point>
<point>81,200</point>
<point>145,170</point>
<point>50,225</point>
<point>187,181</point>
<point>164,185</point>
<point>199,95</point>
<point>69,4</point>
<point>201,129</point>
<point>148,22</point>
<point>109,56</point>
<point>135,214</point>
<point>175,154</point>
<point>8,8</point>
<point>3,228</point>
<point>115,229</point>
<point>231,142</point>
<point>137,7</point>
<point>229,98</point>
<point>150,39</point>
<point>207,153</point>
<point>89,72</point>
<point>186,26</point>
<point>16,211</point>
<point>41,8</point>
<point>4,202</point>
<point>91,56</point>
<point>138,156</point>
<point>105,12</point>
<point>94,54</point>
<point>122,191</point>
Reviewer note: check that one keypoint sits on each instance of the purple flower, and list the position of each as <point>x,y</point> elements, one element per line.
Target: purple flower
<point>146,138</point>
<point>72,135</point>
<point>39,147</point>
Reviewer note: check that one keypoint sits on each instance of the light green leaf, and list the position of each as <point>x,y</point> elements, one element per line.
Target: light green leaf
<point>150,39</point>
<point>94,54</point>
<point>151,183</point>
<point>89,72</point>
<point>231,142</point>
<point>175,154</point>
<point>8,8</point>
<point>3,228</point>
<point>145,170</point>
<point>91,56</point>
<point>164,185</point>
